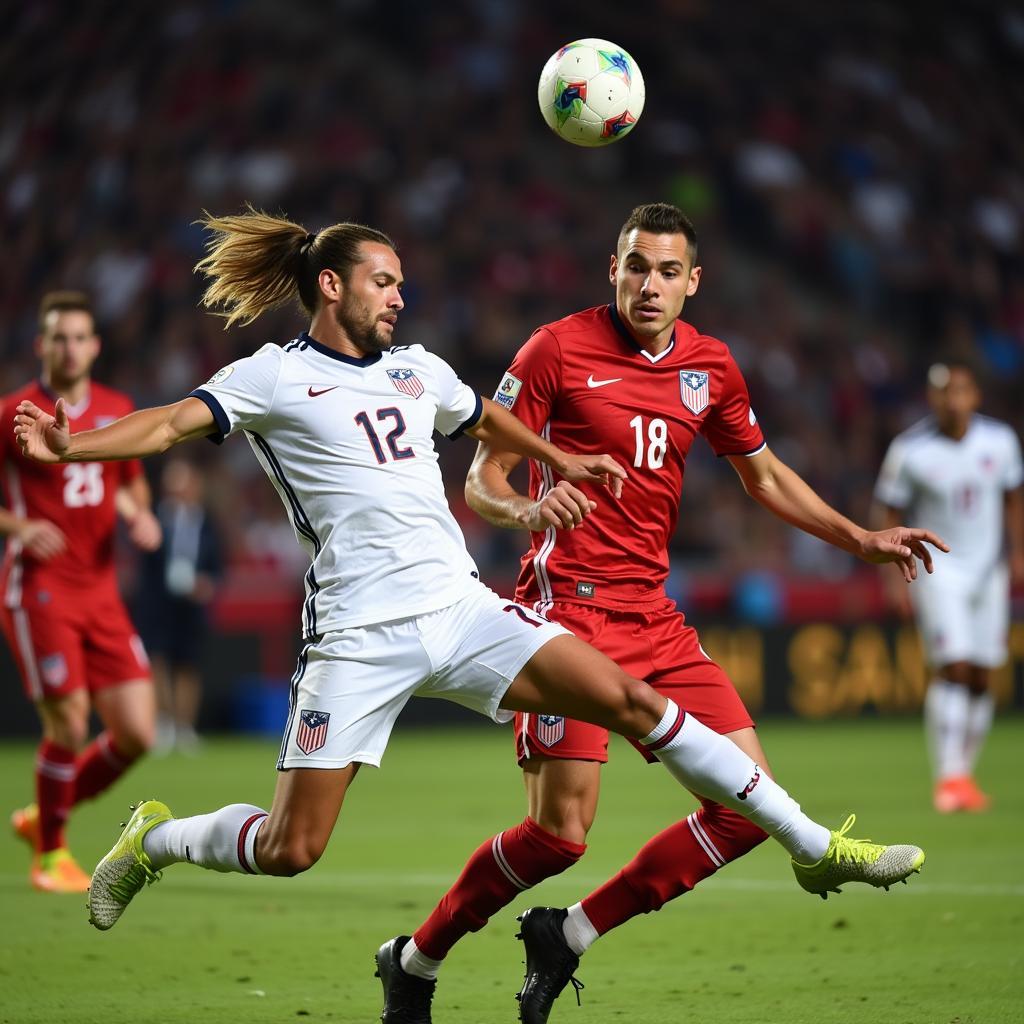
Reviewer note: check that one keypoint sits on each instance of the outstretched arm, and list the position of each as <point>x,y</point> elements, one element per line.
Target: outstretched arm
<point>47,438</point>
<point>773,484</point>
<point>504,442</point>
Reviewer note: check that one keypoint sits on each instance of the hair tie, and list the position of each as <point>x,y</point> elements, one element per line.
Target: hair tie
<point>310,239</point>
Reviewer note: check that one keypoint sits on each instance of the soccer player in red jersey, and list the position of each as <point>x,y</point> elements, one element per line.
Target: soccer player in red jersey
<point>73,641</point>
<point>632,380</point>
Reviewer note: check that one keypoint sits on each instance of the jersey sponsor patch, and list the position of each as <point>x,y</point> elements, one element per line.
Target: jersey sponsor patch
<point>407,382</point>
<point>311,734</point>
<point>508,391</point>
<point>220,376</point>
<point>550,729</point>
<point>585,589</point>
<point>693,389</point>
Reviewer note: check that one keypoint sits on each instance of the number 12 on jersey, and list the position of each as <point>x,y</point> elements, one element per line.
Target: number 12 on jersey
<point>391,438</point>
<point>655,444</point>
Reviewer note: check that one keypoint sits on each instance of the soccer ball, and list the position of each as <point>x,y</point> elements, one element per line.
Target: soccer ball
<point>591,92</point>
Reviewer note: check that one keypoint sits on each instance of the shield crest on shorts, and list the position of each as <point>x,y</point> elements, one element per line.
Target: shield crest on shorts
<point>312,731</point>
<point>550,729</point>
<point>693,389</point>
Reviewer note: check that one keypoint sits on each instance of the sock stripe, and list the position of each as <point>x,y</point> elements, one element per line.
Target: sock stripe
<point>669,736</point>
<point>243,832</point>
<point>55,769</point>
<point>502,862</point>
<point>714,854</point>
<point>107,749</point>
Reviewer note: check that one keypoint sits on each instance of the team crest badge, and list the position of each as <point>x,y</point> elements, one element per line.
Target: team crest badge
<point>550,729</point>
<point>311,734</point>
<point>54,669</point>
<point>407,382</point>
<point>693,389</point>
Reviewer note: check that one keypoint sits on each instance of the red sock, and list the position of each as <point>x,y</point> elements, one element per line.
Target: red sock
<point>498,871</point>
<point>55,792</point>
<point>672,863</point>
<point>98,766</point>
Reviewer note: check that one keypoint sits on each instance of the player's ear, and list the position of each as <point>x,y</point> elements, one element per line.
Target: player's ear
<point>330,284</point>
<point>613,268</point>
<point>694,282</point>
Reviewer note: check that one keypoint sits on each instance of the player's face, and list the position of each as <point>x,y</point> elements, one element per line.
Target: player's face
<point>67,346</point>
<point>955,403</point>
<point>653,276</point>
<point>371,299</point>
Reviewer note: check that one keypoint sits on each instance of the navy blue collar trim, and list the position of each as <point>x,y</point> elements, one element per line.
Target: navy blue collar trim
<point>351,360</point>
<point>623,333</point>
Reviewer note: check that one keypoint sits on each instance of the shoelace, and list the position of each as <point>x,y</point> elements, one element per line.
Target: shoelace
<point>137,876</point>
<point>579,987</point>
<point>856,849</point>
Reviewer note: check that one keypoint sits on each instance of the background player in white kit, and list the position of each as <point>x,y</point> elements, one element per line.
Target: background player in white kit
<point>959,473</point>
<point>342,422</point>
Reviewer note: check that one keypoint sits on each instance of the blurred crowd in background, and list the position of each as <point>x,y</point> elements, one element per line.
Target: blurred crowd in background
<point>855,172</point>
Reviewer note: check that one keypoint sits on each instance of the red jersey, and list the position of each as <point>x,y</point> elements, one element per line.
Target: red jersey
<point>585,384</point>
<point>77,497</point>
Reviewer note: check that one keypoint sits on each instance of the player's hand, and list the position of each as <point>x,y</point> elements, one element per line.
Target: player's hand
<point>42,437</point>
<point>564,507</point>
<point>145,531</point>
<point>903,545</point>
<point>42,539</point>
<point>597,469</point>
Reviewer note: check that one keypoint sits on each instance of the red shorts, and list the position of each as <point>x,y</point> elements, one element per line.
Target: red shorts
<point>655,645</point>
<point>72,643</point>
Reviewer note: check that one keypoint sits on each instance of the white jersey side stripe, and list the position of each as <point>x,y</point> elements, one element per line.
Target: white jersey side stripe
<point>23,636</point>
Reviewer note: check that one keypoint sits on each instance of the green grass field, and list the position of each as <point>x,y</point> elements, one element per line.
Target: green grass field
<point>748,947</point>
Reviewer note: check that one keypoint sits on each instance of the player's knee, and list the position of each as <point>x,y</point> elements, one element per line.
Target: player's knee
<point>135,740</point>
<point>570,821</point>
<point>289,858</point>
<point>639,710</point>
<point>68,728</point>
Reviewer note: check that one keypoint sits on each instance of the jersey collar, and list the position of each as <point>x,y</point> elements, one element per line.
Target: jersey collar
<point>628,338</point>
<point>369,360</point>
<point>73,411</point>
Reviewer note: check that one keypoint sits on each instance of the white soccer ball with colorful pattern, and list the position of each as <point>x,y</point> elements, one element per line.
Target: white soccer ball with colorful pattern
<point>591,92</point>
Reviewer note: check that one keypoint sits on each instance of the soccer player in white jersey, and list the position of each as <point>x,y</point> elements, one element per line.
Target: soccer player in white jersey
<point>959,473</point>
<point>342,422</point>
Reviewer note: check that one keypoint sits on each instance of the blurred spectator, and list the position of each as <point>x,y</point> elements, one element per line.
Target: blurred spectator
<point>857,180</point>
<point>177,583</point>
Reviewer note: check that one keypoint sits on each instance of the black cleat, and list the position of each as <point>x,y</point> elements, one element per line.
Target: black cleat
<point>550,963</point>
<point>406,997</point>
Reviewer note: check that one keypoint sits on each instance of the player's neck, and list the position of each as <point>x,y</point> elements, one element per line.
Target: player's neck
<point>329,333</point>
<point>955,431</point>
<point>73,392</point>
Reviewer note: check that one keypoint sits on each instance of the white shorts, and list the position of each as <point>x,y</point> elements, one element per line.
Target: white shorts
<point>350,685</point>
<point>963,619</point>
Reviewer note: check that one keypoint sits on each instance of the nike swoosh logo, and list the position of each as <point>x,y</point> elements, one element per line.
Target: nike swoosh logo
<point>591,383</point>
<point>322,391</point>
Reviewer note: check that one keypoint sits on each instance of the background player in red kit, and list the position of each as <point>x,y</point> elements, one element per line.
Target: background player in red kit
<point>73,641</point>
<point>632,380</point>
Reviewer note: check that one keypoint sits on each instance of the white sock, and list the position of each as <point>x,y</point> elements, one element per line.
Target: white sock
<point>980,712</point>
<point>709,764</point>
<point>418,964</point>
<point>945,718</point>
<point>579,933</point>
<point>223,841</point>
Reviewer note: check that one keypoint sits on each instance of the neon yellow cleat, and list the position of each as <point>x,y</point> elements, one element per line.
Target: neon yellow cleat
<point>126,868</point>
<point>57,871</point>
<point>858,860</point>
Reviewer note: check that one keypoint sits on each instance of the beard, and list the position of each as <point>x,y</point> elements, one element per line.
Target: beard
<point>363,329</point>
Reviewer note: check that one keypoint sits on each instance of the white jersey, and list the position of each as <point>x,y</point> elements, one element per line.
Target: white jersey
<point>348,444</point>
<point>955,488</point>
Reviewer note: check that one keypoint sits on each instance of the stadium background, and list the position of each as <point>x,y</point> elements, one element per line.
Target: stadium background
<point>855,176</point>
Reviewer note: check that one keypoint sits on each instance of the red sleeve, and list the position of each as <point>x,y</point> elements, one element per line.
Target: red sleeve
<point>6,432</point>
<point>731,427</point>
<point>532,381</point>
